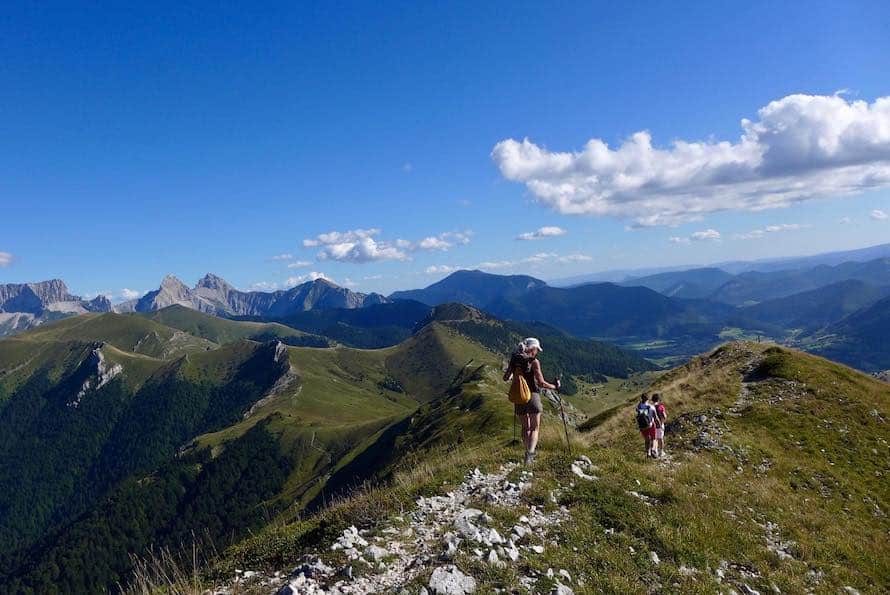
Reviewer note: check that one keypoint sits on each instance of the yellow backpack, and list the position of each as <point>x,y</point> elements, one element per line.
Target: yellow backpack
<point>519,393</point>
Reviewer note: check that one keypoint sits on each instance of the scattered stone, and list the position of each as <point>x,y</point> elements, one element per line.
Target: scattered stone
<point>449,580</point>
<point>654,558</point>
<point>375,553</point>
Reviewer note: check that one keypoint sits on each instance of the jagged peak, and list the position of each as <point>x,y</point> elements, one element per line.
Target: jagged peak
<point>212,281</point>
<point>172,281</point>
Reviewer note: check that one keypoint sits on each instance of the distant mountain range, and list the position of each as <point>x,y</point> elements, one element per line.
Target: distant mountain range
<point>670,315</point>
<point>214,295</point>
<point>26,305</point>
<point>735,266</point>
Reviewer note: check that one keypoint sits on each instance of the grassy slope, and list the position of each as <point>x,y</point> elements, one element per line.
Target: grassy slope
<point>221,330</point>
<point>124,331</point>
<point>805,449</point>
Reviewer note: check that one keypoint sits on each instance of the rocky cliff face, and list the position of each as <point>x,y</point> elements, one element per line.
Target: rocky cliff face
<point>25,305</point>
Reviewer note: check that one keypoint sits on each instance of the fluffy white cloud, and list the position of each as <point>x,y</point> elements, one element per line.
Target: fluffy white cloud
<point>759,233</point>
<point>707,234</point>
<point>878,215</point>
<point>6,259</point>
<point>299,264</point>
<point>801,147</point>
<point>844,220</point>
<point>548,231</point>
<point>130,294</point>
<point>313,276</point>
<point>285,256</point>
<point>361,245</point>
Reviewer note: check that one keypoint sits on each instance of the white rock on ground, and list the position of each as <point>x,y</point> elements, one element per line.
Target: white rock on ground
<point>449,580</point>
<point>433,533</point>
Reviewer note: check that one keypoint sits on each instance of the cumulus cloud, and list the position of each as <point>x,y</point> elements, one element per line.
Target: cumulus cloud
<point>759,233</point>
<point>285,256</point>
<point>130,294</point>
<point>6,259</point>
<point>361,245</point>
<point>878,215</point>
<point>548,231</point>
<point>313,276</point>
<point>801,147</point>
<point>299,264</point>
<point>844,220</point>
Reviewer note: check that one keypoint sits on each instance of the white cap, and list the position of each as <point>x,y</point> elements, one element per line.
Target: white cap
<point>527,344</point>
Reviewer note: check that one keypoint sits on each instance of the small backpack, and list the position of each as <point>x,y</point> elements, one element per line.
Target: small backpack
<point>519,393</point>
<point>644,416</point>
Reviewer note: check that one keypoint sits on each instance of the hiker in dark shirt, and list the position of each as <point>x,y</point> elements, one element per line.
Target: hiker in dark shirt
<point>524,360</point>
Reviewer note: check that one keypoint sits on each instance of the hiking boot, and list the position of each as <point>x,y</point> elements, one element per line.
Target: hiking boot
<point>529,457</point>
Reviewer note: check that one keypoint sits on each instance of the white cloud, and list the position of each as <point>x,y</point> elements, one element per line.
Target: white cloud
<point>533,261</point>
<point>372,277</point>
<point>407,167</point>
<point>542,232</point>
<point>338,237</point>
<point>878,215</point>
<point>6,259</point>
<point>759,233</point>
<point>575,258</point>
<point>285,256</point>
<point>299,264</point>
<point>465,202</point>
<point>433,244</point>
<point>707,234</point>
<point>697,236</point>
<point>440,269</point>
<point>844,220</point>
<point>130,294</point>
<point>347,282</point>
<point>263,286</point>
<point>361,245</point>
<point>313,276</point>
<point>801,147</point>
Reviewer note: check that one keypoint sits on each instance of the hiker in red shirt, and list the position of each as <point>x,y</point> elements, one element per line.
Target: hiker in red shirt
<point>660,421</point>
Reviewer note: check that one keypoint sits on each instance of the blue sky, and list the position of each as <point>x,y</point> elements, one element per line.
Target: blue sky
<point>185,138</point>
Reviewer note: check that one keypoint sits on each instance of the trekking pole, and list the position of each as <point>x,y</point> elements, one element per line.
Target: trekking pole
<point>562,411</point>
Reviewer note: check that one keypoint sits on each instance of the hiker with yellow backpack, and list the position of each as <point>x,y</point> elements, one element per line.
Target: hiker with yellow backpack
<point>528,379</point>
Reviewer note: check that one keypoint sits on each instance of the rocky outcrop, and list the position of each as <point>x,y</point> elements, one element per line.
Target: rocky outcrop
<point>425,542</point>
<point>99,373</point>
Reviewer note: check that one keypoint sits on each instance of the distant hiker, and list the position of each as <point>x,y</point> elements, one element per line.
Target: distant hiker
<point>645,416</point>
<point>660,421</point>
<point>524,393</point>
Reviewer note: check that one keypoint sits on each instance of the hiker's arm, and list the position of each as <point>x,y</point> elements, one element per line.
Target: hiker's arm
<point>507,373</point>
<point>539,377</point>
